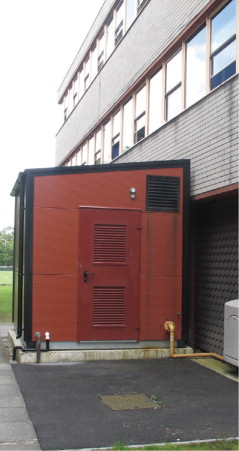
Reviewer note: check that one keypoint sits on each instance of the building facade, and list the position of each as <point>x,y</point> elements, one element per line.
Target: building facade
<point>158,80</point>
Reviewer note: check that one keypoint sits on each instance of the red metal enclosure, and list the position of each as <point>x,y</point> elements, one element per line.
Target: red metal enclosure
<point>105,265</point>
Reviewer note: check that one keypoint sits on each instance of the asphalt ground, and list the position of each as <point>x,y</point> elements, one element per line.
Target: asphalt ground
<point>63,402</point>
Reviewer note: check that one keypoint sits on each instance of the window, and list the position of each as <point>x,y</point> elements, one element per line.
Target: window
<point>196,67</point>
<point>87,74</point>
<point>119,23</point>
<point>94,63</point>
<point>101,51</point>
<point>66,101</point>
<point>73,160</point>
<point>81,83</point>
<point>116,136</point>
<point>140,5</point>
<point>130,12</point>
<point>155,101</point>
<point>173,86</point>
<point>223,45</point>
<point>98,137</point>
<point>110,38</point>
<point>127,125</point>
<point>84,154</point>
<point>70,94</point>
<point>107,142</point>
<point>78,157</point>
<point>75,90</point>
<point>91,150</point>
<point>140,115</point>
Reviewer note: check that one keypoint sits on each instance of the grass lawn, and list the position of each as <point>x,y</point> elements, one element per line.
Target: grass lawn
<point>5,296</point>
<point>6,277</point>
<point>217,445</point>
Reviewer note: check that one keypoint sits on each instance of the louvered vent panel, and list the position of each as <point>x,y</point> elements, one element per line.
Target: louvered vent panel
<point>110,243</point>
<point>162,193</point>
<point>109,306</point>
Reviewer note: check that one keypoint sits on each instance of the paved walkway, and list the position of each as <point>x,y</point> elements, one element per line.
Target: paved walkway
<point>66,410</point>
<point>16,429</point>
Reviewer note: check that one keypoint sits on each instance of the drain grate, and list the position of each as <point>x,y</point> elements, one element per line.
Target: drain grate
<point>128,402</point>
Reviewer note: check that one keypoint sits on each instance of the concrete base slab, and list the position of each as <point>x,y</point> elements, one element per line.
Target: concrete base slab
<point>83,355</point>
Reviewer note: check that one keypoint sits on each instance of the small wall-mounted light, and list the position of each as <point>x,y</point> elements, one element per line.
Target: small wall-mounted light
<point>132,192</point>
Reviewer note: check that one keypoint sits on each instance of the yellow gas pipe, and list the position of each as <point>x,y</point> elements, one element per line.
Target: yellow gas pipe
<point>169,326</point>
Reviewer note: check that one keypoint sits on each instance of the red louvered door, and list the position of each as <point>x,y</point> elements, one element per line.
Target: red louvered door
<point>108,274</point>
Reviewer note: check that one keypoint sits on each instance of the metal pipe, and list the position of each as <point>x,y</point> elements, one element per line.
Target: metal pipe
<point>38,347</point>
<point>169,326</point>
<point>47,338</point>
<point>20,258</point>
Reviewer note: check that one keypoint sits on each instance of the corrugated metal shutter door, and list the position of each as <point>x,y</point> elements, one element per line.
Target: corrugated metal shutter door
<point>216,271</point>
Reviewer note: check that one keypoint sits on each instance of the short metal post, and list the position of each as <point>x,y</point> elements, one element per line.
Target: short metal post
<point>38,347</point>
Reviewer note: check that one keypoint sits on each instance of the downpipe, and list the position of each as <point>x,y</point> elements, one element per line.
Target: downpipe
<point>169,326</point>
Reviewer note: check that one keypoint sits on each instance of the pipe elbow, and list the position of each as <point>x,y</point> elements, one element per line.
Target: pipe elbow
<point>169,326</point>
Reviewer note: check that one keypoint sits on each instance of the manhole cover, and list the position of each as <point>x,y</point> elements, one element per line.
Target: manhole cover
<point>128,402</point>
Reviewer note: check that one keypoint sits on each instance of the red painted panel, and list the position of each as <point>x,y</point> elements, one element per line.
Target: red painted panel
<point>161,245</point>
<point>54,307</point>
<point>55,241</point>
<point>108,274</point>
<point>55,252</point>
<point>161,300</point>
<point>109,189</point>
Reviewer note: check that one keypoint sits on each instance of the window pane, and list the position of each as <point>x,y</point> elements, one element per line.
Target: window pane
<point>81,88</point>
<point>223,75</point>
<point>130,12</point>
<point>174,71</point>
<point>155,102</point>
<point>73,160</point>
<point>91,158</point>
<point>115,148</point>
<point>78,157</point>
<point>98,141</point>
<point>224,58</point>
<point>119,15</point>
<point>140,101</point>
<point>107,143</point>
<point>110,38</point>
<point>84,154</point>
<point>102,44</point>
<point>140,128</point>
<point>94,63</point>
<point>223,25</point>
<point>116,124</point>
<point>174,103</point>
<point>196,68</point>
<point>127,125</point>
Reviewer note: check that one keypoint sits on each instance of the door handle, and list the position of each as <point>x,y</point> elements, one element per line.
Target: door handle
<point>86,273</point>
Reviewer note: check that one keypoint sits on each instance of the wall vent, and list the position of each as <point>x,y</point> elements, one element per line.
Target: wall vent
<point>110,244</point>
<point>162,193</point>
<point>109,306</point>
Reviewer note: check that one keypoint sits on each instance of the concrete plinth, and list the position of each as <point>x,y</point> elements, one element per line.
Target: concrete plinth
<point>82,355</point>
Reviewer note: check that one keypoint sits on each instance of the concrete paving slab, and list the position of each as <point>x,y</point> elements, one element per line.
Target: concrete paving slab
<point>13,414</point>
<point>64,404</point>
<point>10,396</point>
<point>6,377</point>
<point>16,429</point>
<point>20,445</point>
